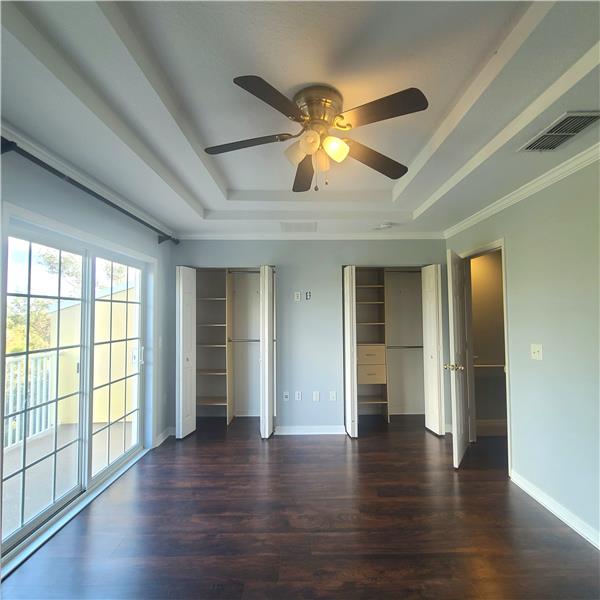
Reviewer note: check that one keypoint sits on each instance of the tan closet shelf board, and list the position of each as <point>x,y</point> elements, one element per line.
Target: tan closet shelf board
<point>370,344</point>
<point>211,400</point>
<point>371,400</point>
<point>211,371</point>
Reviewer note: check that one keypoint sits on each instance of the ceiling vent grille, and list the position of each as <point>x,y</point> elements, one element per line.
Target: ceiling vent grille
<point>560,131</point>
<point>298,226</point>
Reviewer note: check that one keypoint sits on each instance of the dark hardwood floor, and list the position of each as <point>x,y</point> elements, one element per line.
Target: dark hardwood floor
<point>223,514</point>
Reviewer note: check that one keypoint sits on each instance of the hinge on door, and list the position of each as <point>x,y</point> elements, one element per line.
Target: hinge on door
<point>141,360</point>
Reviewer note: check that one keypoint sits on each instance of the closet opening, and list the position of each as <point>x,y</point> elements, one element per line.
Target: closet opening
<point>225,324</point>
<point>486,368</point>
<point>392,347</point>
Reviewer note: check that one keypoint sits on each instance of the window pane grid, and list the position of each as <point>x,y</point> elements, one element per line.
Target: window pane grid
<point>116,342</point>
<point>40,372</point>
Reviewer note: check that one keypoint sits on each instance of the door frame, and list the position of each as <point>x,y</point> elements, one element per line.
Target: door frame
<point>498,244</point>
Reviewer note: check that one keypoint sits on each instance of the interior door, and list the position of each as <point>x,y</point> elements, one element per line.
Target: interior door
<point>458,355</point>
<point>267,352</point>
<point>350,381</point>
<point>432,348</point>
<point>186,352</point>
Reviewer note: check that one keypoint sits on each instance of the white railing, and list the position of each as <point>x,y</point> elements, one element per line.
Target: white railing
<point>42,372</point>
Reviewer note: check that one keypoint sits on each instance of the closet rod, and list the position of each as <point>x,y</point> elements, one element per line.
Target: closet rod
<point>11,146</point>
<point>245,340</point>
<point>396,347</point>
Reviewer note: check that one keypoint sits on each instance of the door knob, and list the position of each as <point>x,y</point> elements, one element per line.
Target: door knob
<point>459,367</point>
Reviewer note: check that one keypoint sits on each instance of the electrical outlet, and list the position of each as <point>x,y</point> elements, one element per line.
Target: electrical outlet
<point>298,396</point>
<point>332,396</point>
<point>286,396</point>
<point>536,352</point>
<point>316,396</point>
<point>297,296</point>
<point>308,295</point>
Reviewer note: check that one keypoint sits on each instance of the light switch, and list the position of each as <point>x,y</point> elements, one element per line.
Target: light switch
<point>286,396</point>
<point>298,396</point>
<point>297,296</point>
<point>536,352</point>
<point>316,396</point>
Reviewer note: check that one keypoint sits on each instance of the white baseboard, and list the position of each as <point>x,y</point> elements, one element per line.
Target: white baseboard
<point>161,437</point>
<point>491,427</point>
<point>585,530</point>
<point>310,430</point>
<point>448,427</point>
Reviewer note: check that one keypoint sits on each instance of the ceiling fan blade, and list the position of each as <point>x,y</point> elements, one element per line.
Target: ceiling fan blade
<point>267,139</point>
<point>381,163</point>
<point>401,103</point>
<point>258,87</point>
<point>304,175</point>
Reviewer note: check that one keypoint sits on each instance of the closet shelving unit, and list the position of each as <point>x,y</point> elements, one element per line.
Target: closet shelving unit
<point>370,339</point>
<point>211,337</point>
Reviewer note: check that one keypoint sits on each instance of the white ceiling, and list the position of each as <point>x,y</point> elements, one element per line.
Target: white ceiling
<point>129,94</point>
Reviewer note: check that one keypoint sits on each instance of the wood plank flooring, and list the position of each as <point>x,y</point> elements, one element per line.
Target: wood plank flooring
<point>223,514</point>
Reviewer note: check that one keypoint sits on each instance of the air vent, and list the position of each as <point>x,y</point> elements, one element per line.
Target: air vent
<point>298,226</point>
<point>560,131</point>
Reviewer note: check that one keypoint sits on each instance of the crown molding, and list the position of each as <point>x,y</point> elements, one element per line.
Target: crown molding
<point>511,44</point>
<point>73,172</point>
<point>314,236</point>
<point>554,175</point>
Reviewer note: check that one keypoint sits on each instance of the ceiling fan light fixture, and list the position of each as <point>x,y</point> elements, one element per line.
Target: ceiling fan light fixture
<point>310,141</point>
<point>294,153</point>
<point>336,148</point>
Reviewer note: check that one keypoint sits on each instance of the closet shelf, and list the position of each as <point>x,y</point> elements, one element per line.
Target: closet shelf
<point>365,302</point>
<point>369,323</point>
<point>212,298</point>
<point>371,400</point>
<point>211,371</point>
<point>211,400</point>
<point>211,345</point>
<point>211,325</point>
<point>370,344</point>
<point>379,285</point>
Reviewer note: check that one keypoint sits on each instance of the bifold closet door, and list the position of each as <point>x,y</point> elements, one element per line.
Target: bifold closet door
<point>267,352</point>
<point>350,381</point>
<point>431,281</point>
<point>185,421</point>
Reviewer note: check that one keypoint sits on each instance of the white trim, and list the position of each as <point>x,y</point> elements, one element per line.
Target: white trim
<point>585,530</point>
<point>556,90</point>
<point>400,235</point>
<point>554,175</point>
<point>478,86</point>
<point>310,430</point>
<point>163,435</point>
<point>449,428</point>
<point>51,527</point>
<point>46,155</point>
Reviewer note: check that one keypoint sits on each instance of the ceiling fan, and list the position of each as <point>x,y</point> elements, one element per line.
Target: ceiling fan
<point>318,109</point>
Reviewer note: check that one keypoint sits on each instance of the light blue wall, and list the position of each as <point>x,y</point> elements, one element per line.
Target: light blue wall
<point>309,333</point>
<point>551,242</point>
<point>31,188</point>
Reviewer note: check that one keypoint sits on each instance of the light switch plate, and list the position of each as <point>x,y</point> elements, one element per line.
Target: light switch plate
<point>308,295</point>
<point>332,396</point>
<point>298,396</point>
<point>316,396</point>
<point>297,296</point>
<point>536,352</point>
<point>286,396</point>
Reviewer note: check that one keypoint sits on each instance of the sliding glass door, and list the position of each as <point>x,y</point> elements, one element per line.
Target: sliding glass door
<point>72,375</point>
<point>42,424</point>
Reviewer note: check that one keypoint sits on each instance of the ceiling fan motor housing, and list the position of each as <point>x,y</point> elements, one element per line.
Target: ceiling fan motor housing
<point>321,104</point>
